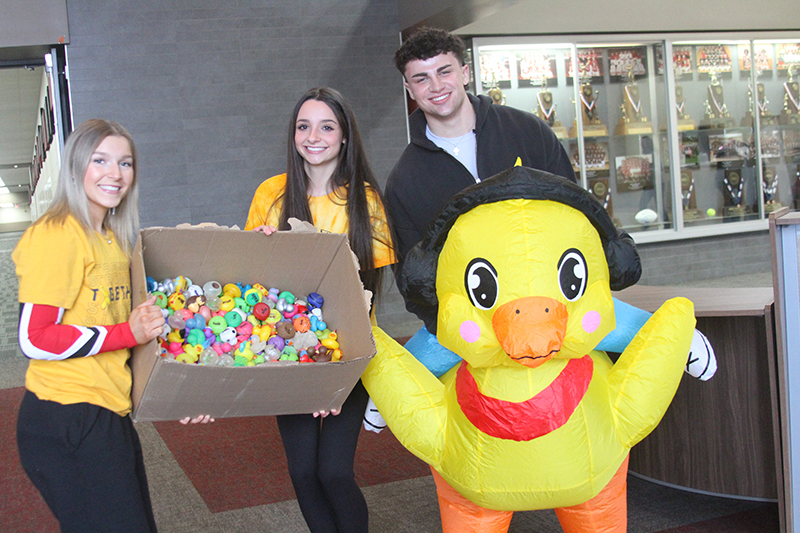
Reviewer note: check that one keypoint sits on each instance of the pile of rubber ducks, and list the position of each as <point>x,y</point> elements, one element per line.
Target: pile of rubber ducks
<point>241,325</point>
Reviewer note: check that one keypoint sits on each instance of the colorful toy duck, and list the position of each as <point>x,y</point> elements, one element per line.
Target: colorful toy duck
<point>534,417</point>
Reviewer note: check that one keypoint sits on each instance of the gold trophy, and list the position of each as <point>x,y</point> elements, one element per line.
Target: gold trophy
<point>546,110</point>
<point>592,125</point>
<point>495,93</point>
<point>690,211</point>
<point>769,187</point>
<point>733,194</point>
<point>795,188</point>
<point>759,102</point>
<point>685,122</point>
<point>633,121</point>
<point>598,187</point>
<point>717,115</point>
<point>791,99</point>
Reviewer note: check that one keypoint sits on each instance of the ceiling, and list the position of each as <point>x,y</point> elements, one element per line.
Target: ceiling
<point>19,105</point>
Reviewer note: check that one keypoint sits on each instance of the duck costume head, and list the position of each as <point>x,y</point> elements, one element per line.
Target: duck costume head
<point>515,276</point>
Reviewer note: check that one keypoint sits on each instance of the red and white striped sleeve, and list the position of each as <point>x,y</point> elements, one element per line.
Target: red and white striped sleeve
<point>43,336</point>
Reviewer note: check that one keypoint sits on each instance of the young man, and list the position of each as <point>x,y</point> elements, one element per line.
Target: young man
<point>457,139</point>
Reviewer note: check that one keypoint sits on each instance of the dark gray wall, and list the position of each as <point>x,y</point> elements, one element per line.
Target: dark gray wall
<point>207,87</point>
<point>33,22</point>
<point>679,262</point>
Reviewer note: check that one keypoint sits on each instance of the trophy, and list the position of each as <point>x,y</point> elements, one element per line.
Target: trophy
<point>769,187</point>
<point>717,115</point>
<point>600,191</point>
<point>685,122</point>
<point>690,211</point>
<point>495,93</point>
<point>760,102</point>
<point>733,193</point>
<point>791,99</point>
<point>546,110</point>
<point>592,125</point>
<point>632,122</point>
<point>796,189</point>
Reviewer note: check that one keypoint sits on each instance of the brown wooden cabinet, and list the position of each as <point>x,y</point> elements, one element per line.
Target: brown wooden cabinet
<point>720,436</point>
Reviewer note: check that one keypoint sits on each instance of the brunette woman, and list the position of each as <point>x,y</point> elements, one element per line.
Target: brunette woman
<point>328,182</point>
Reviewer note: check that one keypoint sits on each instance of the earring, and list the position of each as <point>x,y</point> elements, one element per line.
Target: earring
<point>113,211</point>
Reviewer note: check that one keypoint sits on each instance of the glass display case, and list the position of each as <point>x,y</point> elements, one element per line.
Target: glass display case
<point>675,137</point>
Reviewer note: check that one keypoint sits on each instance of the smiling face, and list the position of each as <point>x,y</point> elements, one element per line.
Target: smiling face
<point>108,177</point>
<point>318,136</point>
<point>540,292</point>
<point>437,85</point>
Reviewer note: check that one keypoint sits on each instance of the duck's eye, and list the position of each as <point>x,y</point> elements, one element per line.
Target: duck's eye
<point>480,281</point>
<point>572,274</point>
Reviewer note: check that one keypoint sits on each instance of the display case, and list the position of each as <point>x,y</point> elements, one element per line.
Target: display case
<point>676,137</point>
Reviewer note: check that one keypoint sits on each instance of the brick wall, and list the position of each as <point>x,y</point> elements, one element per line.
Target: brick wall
<point>679,262</point>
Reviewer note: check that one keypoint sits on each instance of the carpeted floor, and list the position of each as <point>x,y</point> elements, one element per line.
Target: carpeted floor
<point>239,462</point>
<point>22,510</point>
<point>763,518</point>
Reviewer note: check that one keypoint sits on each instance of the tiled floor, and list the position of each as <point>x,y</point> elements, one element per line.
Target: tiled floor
<point>9,312</point>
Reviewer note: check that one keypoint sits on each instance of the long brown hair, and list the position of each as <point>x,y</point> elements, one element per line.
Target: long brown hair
<point>353,175</point>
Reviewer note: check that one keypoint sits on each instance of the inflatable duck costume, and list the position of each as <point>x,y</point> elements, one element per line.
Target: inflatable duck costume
<point>515,276</point>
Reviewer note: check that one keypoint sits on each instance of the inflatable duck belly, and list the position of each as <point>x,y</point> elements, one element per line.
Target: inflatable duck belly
<point>493,477</point>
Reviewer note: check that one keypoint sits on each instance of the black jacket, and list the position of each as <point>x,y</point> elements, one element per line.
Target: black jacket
<point>426,176</point>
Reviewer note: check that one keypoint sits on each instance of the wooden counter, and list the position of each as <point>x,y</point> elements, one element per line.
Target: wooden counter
<point>723,435</point>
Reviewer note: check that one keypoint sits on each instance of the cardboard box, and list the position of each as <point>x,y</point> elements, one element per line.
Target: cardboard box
<point>302,262</point>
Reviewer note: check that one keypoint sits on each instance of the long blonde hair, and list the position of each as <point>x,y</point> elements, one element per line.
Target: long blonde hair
<point>70,196</point>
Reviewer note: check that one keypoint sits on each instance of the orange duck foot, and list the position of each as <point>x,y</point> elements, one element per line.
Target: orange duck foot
<point>605,513</point>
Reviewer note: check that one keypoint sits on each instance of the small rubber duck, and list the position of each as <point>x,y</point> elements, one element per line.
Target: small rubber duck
<point>285,330</point>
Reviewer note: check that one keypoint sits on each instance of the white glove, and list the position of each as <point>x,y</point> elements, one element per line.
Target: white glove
<point>702,363</point>
<point>373,421</point>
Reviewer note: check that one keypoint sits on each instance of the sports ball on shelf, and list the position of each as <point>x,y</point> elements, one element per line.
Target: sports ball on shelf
<point>646,216</point>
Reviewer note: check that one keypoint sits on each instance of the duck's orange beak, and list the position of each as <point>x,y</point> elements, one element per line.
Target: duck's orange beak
<point>531,330</point>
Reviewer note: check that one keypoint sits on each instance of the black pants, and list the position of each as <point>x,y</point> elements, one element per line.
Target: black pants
<point>86,461</point>
<point>320,454</point>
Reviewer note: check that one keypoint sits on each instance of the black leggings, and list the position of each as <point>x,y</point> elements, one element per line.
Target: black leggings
<point>87,463</point>
<point>320,454</point>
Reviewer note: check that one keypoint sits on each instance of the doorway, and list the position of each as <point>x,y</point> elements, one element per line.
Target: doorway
<point>31,132</point>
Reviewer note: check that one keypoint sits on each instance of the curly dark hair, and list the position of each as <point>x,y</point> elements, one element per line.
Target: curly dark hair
<point>426,43</point>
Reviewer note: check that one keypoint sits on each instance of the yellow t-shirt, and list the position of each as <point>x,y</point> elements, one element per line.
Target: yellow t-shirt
<point>327,212</point>
<point>58,265</point>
